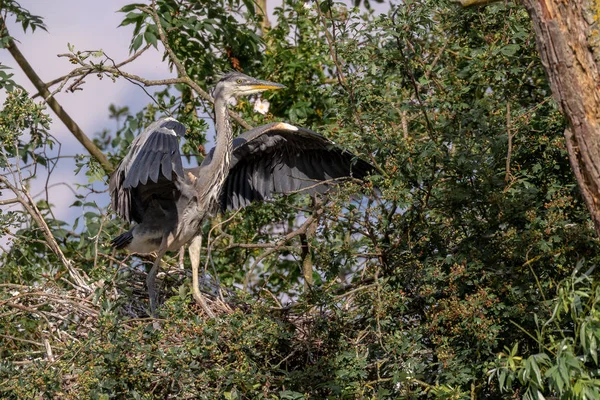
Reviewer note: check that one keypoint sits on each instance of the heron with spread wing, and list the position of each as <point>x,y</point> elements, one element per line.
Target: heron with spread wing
<point>170,203</point>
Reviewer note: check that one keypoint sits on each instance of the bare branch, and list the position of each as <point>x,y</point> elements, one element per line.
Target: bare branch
<point>21,340</point>
<point>179,66</point>
<point>23,197</point>
<point>9,201</point>
<point>134,56</point>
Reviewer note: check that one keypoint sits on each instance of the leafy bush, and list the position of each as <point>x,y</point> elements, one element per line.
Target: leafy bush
<point>430,280</point>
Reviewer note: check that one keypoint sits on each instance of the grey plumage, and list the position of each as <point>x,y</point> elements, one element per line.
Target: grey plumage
<point>169,203</point>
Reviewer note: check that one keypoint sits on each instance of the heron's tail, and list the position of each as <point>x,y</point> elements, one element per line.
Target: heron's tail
<point>121,241</point>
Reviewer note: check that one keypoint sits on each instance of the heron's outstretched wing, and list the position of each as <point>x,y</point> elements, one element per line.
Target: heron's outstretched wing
<point>149,170</point>
<point>282,158</point>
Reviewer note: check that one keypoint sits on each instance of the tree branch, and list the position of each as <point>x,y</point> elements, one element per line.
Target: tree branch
<point>8,201</point>
<point>179,66</point>
<point>28,204</point>
<point>569,54</point>
<point>510,134</point>
<point>79,71</point>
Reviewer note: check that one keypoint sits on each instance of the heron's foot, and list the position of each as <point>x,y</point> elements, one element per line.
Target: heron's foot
<point>201,301</point>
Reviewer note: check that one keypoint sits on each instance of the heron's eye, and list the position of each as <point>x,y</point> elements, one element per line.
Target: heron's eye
<point>239,80</point>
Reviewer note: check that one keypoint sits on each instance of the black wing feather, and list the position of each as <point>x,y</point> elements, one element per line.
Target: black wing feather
<point>285,182</point>
<point>280,158</point>
<point>149,171</point>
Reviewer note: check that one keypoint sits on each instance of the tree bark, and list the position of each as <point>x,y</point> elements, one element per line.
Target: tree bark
<point>568,39</point>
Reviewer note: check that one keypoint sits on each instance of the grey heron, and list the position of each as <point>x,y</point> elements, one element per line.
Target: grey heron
<point>170,203</point>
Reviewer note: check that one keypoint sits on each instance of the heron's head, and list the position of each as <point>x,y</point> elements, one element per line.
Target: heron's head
<point>235,84</point>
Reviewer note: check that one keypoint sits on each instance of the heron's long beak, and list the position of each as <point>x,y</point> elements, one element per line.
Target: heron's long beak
<point>265,85</point>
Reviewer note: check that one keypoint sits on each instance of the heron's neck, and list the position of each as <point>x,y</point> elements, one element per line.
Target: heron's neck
<point>218,168</point>
<point>222,154</point>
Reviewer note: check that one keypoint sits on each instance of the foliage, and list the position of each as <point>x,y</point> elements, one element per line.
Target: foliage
<point>568,339</point>
<point>434,284</point>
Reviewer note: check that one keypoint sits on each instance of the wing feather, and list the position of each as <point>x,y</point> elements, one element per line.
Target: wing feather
<point>281,158</point>
<point>261,182</point>
<point>285,182</point>
<point>166,165</point>
<point>149,171</point>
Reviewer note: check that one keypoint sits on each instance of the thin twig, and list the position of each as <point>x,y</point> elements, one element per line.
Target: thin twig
<point>27,202</point>
<point>331,44</point>
<point>510,137</point>
<point>182,73</point>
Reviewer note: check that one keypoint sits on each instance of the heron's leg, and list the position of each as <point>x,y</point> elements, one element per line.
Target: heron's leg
<point>194,250</point>
<point>181,257</point>
<point>151,277</point>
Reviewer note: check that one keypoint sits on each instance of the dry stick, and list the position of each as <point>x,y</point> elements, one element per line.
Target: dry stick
<point>75,301</point>
<point>27,202</point>
<point>510,137</point>
<point>331,44</point>
<point>48,348</point>
<point>76,71</point>
<point>56,107</point>
<point>29,310</point>
<point>21,340</point>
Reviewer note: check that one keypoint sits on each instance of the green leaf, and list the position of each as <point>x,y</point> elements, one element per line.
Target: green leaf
<point>133,6</point>
<point>150,38</point>
<point>510,49</point>
<point>136,43</point>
